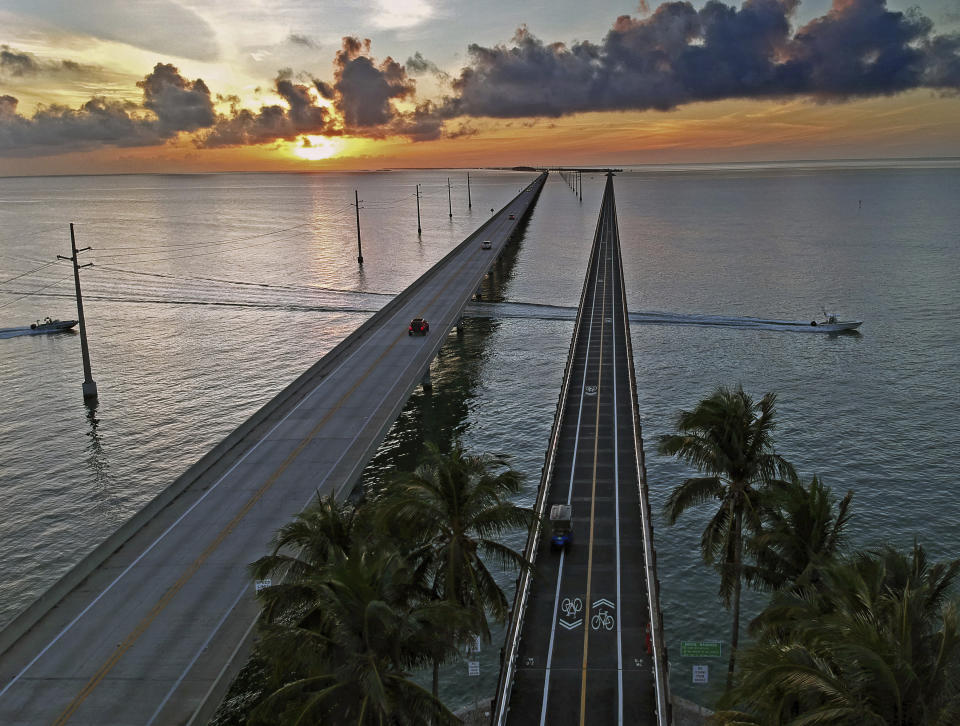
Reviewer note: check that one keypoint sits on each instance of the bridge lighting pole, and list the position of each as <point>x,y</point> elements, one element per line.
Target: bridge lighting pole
<point>419,230</point>
<point>89,385</point>
<point>356,199</point>
<point>469,200</point>
<point>449,202</point>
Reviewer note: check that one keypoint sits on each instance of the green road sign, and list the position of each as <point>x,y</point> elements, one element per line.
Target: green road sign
<point>700,648</point>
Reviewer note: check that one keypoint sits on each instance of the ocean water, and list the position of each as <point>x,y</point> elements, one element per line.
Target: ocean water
<point>210,292</point>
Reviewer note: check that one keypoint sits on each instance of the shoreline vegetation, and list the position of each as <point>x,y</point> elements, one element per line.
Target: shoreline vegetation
<point>847,637</point>
<point>397,584</point>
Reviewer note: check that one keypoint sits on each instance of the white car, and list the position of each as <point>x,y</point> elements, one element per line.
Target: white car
<point>486,244</point>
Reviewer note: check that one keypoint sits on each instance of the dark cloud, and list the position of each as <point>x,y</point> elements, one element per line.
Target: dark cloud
<point>21,64</point>
<point>364,89</point>
<point>324,89</point>
<point>417,65</point>
<point>58,129</point>
<point>180,105</point>
<point>302,40</point>
<point>15,63</point>
<point>243,127</point>
<point>681,55</point>
<point>171,104</point>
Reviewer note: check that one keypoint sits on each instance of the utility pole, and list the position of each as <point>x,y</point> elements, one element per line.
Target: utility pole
<point>419,230</point>
<point>449,202</point>
<point>356,198</point>
<point>469,200</point>
<point>580,184</point>
<point>89,385</point>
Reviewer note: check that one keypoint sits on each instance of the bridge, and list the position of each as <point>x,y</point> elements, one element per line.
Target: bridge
<point>585,644</point>
<point>150,627</point>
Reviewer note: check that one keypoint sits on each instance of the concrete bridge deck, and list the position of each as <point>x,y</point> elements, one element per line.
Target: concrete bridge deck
<point>149,628</point>
<point>577,650</point>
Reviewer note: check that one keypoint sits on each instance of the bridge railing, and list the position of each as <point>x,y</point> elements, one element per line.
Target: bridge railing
<point>522,596</point>
<point>658,641</point>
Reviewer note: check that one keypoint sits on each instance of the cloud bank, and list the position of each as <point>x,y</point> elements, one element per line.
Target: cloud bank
<point>681,55</point>
<point>677,55</point>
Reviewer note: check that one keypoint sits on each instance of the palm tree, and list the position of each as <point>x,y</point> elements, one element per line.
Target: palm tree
<point>876,642</point>
<point>727,437</point>
<point>452,508</point>
<point>347,657</point>
<point>802,530</point>
<point>302,549</point>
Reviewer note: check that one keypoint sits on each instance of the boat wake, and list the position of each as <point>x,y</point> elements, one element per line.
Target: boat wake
<point>27,330</point>
<point>556,312</point>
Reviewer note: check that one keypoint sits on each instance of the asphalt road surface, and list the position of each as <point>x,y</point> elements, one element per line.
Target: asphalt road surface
<point>583,655</point>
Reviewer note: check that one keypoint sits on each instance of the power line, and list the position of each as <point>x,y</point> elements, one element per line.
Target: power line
<point>37,291</point>
<point>29,272</point>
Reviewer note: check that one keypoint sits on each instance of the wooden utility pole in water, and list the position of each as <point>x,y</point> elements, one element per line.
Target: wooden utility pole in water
<point>89,385</point>
<point>469,200</point>
<point>419,230</point>
<point>449,202</point>
<point>356,199</point>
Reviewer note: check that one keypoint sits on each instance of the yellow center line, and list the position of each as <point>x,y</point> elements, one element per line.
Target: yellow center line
<point>225,532</point>
<point>593,503</point>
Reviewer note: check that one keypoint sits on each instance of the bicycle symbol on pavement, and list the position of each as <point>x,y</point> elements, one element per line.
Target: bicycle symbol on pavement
<point>571,607</point>
<point>602,619</point>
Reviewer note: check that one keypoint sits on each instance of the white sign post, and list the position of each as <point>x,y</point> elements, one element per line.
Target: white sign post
<point>473,667</point>
<point>261,584</point>
<point>701,674</point>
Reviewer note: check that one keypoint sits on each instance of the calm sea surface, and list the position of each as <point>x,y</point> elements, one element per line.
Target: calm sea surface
<point>211,292</point>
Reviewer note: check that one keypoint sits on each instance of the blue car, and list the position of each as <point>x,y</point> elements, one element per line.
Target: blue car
<point>561,529</point>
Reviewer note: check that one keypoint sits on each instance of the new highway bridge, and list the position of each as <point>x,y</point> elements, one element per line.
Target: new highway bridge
<point>578,650</point>
<point>152,625</point>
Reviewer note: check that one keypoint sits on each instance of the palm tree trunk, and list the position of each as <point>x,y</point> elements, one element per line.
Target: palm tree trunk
<point>737,556</point>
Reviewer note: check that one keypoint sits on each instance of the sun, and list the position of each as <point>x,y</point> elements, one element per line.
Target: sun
<point>315,148</point>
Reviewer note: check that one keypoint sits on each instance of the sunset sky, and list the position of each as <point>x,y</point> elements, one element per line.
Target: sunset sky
<point>94,86</point>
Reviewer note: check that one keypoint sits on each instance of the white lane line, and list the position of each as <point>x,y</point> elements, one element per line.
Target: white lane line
<point>179,519</point>
<point>573,464</point>
<point>193,660</point>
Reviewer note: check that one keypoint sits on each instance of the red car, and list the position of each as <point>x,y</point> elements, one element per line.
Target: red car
<point>418,326</point>
<point>513,216</point>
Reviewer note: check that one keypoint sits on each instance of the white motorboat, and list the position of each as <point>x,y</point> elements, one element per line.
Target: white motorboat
<point>832,324</point>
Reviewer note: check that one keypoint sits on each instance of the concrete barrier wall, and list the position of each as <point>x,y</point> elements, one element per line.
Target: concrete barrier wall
<point>227,451</point>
